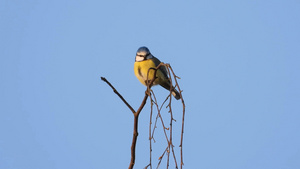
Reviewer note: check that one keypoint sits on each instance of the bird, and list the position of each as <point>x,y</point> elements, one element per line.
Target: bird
<point>144,60</point>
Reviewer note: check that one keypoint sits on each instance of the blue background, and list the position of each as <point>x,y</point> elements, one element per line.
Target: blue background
<point>239,63</point>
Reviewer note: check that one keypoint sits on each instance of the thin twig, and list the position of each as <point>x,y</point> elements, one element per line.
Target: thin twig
<point>121,97</point>
<point>183,115</point>
<point>150,136</point>
<point>161,119</point>
<point>171,146</point>
<point>161,157</point>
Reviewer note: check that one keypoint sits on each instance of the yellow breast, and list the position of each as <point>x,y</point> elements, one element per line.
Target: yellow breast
<point>141,71</point>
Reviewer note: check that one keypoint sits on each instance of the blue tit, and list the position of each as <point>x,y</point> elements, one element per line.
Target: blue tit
<point>144,60</point>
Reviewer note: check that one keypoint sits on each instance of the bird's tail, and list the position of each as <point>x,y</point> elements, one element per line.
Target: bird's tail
<point>176,94</point>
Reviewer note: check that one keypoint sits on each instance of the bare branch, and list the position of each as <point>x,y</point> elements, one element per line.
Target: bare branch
<point>121,97</point>
<point>149,92</point>
<point>183,115</point>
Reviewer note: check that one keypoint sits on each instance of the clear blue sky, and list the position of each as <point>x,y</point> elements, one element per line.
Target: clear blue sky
<point>239,63</point>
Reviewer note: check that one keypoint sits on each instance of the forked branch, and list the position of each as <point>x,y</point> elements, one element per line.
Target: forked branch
<point>137,113</point>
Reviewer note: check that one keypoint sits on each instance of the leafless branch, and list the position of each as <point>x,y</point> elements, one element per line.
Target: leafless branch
<point>149,92</point>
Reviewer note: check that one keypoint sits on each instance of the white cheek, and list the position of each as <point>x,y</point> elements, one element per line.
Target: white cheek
<point>139,58</point>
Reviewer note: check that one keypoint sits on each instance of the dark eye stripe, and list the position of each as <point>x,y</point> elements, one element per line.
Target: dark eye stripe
<point>144,55</point>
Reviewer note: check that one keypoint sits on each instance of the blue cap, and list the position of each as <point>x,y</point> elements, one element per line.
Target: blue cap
<point>143,49</point>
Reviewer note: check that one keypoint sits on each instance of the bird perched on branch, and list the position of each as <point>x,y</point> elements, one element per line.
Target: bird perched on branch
<point>144,60</point>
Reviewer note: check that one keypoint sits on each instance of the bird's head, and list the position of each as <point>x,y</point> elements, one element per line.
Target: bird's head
<point>143,53</point>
